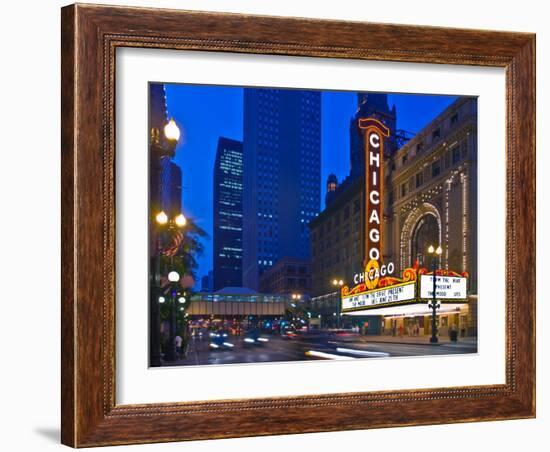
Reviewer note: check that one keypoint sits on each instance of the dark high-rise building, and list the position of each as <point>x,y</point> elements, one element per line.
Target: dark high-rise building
<point>164,175</point>
<point>170,187</point>
<point>281,158</point>
<point>369,105</point>
<point>228,214</point>
<point>157,104</point>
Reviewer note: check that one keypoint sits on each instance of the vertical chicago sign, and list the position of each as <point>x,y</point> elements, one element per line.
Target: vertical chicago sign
<point>375,133</point>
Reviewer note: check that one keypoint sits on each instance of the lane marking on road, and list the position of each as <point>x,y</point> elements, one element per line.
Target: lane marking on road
<point>326,355</point>
<point>352,351</point>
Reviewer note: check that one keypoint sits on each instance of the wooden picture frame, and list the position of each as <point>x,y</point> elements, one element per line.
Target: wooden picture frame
<point>90,36</point>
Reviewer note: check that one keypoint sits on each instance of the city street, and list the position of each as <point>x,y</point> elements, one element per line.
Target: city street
<point>314,346</point>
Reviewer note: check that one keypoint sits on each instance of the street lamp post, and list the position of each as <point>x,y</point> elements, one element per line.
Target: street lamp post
<point>434,304</point>
<point>338,283</point>
<point>296,297</point>
<point>174,278</point>
<point>160,148</point>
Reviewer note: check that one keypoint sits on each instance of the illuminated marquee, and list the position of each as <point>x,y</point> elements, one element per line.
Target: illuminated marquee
<point>447,287</point>
<point>415,286</point>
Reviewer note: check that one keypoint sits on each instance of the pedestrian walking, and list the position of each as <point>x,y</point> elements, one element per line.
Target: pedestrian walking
<point>178,341</point>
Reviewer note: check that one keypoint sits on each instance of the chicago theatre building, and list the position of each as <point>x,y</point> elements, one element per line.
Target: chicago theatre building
<point>428,197</point>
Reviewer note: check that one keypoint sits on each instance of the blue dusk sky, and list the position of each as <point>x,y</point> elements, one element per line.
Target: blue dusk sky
<point>204,113</point>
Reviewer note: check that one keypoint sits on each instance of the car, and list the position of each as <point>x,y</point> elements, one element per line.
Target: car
<point>219,341</point>
<point>253,337</point>
<point>343,335</point>
<point>289,334</point>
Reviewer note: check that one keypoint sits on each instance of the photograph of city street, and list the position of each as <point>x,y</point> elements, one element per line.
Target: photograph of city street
<point>295,225</point>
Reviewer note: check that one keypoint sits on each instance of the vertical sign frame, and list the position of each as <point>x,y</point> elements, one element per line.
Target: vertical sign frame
<point>375,133</point>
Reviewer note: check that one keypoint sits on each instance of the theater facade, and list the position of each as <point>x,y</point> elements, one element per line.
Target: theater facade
<point>377,228</point>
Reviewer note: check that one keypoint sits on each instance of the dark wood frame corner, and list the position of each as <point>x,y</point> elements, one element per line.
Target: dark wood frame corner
<point>90,36</point>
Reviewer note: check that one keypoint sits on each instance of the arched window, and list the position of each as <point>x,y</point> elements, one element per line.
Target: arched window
<point>425,233</point>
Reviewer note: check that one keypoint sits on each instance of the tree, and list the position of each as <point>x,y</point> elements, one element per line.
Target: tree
<point>184,261</point>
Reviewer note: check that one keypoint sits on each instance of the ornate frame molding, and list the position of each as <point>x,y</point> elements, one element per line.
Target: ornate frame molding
<point>90,37</point>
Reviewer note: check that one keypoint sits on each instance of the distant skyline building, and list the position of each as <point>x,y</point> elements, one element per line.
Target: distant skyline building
<point>289,276</point>
<point>207,282</point>
<point>282,176</point>
<point>228,214</point>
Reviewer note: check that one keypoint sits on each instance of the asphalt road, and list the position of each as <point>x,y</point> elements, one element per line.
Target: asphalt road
<point>309,347</point>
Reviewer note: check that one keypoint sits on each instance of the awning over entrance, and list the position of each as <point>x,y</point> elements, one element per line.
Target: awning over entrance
<point>413,309</point>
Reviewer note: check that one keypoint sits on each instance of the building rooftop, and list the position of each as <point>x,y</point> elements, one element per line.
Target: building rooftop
<point>236,291</point>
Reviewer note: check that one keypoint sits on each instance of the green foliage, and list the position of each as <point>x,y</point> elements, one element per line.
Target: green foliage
<point>185,263</point>
<point>185,260</point>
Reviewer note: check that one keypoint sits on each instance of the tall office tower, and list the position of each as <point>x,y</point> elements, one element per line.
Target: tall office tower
<point>228,214</point>
<point>370,104</point>
<point>282,172</point>
<point>157,119</point>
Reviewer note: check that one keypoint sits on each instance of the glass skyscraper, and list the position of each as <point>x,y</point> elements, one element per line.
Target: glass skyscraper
<point>282,171</point>
<point>228,214</point>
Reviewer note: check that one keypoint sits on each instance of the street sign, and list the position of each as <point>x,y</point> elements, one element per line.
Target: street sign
<point>446,287</point>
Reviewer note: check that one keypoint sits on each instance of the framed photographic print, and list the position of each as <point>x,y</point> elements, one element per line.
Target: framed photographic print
<point>282,225</point>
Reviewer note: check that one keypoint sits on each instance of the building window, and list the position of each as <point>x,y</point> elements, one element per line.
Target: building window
<point>403,190</point>
<point>456,155</point>
<point>436,168</point>
<point>357,206</point>
<point>419,146</point>
<point>419,179</point>
<point>454,118</point>
<point>404,159</point>
<point>436,134</point>
<point>464,150</point>
<point>447,159</point>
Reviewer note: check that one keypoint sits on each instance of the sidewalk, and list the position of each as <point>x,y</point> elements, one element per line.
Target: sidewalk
<point>417,340</point>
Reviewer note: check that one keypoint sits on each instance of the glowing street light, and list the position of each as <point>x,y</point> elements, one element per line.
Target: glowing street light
<point>434,304</point>
<point>338,283</point>
<point>161,218</point>
<point>172,131</point>
<point>173,276</point>
<point>180,220</point>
